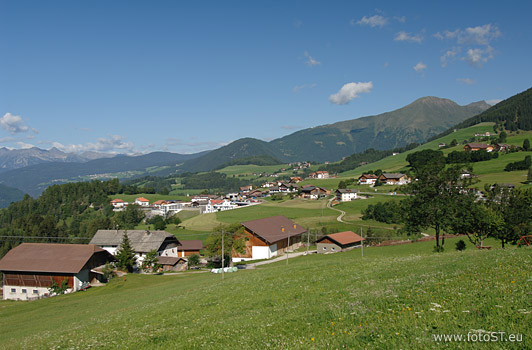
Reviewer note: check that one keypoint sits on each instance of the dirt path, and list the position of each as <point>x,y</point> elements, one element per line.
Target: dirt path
<point>342,213</point>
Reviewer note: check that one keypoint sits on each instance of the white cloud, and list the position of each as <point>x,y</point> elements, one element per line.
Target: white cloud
<point>412,38</point>
<point>480,35</point>
<point>494,101</point>
<point>311,61</point>
<point>420,67</point>
<point>373,21</point>
<point>401,19</point>
<point>478,56</point>
<point>298,88</point>
<point>449,55</point>
<point>350,91</point>
<point>113,143</point>
<point>24,145</point>
<point>14,124</point>
<point>466,81</point>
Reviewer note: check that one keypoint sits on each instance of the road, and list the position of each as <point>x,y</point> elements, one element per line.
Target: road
<point>342,213</point>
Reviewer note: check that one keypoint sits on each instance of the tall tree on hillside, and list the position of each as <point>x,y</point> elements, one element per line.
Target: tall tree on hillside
<point>526,145</point>
<point>125,254</point>
<point>434,195</point>
<point>233,242</point>
<point>478,221</point>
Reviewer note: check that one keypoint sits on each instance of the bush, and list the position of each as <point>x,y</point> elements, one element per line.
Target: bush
<point>193,260</point>
<point>460,245</point>
<point>108,271</point>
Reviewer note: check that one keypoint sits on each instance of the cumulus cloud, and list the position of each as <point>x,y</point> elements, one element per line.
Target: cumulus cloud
<point>420,67</point>
<point>480,35</point>
<point>478,56</point>
<point>449,55</point>
<point>373,21</point>
<point>350,91</point>
<point>14,124</point>
<point>114,143</point>
<point>466,81</point>
<point>311,62</point>
<point>408,37</point>
<point>298,88</point>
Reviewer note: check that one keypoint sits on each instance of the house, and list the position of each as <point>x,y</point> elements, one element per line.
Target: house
<point>486,134</point>
<point>170,208</point>
<point>255,194</point>
<point>338,242</point>
<point>319,175</point>
<point>269,237</point>
<point>441,144</point>
<point>346,195</point>
<point>367,179</point>
<point>143,202</point>
<point>142,241</point>
<point>159,203</point>
<point>169,263</point>
<point>394,179</point>
<point>268,184</point>
<point>246,189</point>
<point>473,146</point>
<point>190,247</point>
<point>501,147</point>
<point>118,203</point>
<point>295,179</point>
<point>283,188</point>
<point>313,192</point>
<point>29,269</point>
<point>216,205</point>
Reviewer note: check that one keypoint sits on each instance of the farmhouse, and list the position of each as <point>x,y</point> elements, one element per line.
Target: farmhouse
<point>471,147</point>
<point>346,195</point>
<point>31,268</point>
<point>269,237</point>
<point>164,243</point>
<point>394,179</point>
<point>367,179</point>
<point>338,242</point>
<point>216,205</point>
<point>190,247</point>
<point>319,175</point>
<point>313,192</point>
<point>118,203</point>
<point>143,202</point>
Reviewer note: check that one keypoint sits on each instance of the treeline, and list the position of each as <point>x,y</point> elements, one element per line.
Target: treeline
<point>513,114</point>
<point>212,181</point>
<point>458,157</point>
<point>520,165</point>
<point>75,211</point>
<point>368,156</point>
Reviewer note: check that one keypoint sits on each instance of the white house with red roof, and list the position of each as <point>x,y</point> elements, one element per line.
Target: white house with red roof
<point>143,202</point>
<point>216,205</point>
<point>118,203</point>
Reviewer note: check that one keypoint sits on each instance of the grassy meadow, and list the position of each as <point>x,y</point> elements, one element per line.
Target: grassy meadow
<point>392,298</point>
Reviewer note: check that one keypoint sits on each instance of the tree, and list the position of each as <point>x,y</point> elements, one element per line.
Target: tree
<point>58,288</point>
<point>150,262</point>
<point>529,176</point>
<point>478,222</point>
<point>502,137</point>
<point>434,200</point>
<point>193,260</point>
<point>234,241</point>
<point>526,145</point>
<point>126,255</point>
<point>158,222</point>
<point>426,159</point>
<point>453,143</point>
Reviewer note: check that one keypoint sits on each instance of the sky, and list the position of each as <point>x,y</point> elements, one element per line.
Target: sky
<point>187,76</point>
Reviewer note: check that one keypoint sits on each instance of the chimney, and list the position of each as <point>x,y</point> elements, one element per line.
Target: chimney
<point>282,228</point>
<point>295,226</point>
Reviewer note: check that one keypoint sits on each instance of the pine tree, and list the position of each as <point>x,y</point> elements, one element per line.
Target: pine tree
<point>526,145</point>
<point>125,254</point>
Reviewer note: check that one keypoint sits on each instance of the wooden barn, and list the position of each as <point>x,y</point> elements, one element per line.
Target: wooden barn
<point>31,268</point>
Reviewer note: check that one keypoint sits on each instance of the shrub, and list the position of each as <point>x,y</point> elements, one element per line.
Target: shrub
<point>460,245</point>
<point>193,260</point>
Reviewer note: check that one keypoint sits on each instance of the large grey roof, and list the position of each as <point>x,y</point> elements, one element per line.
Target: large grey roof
<point>142,241</point>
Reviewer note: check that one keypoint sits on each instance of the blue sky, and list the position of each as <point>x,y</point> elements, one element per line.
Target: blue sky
<point>142,76</point>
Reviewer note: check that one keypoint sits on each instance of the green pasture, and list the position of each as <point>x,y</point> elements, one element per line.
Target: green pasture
<point>397,297</point>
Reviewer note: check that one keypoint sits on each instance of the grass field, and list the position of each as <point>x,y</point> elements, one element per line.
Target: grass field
<point>393,298</point>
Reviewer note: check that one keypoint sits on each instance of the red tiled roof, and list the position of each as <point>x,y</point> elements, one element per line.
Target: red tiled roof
<point>159,202</point>
<point>117,201</point>
<point>142,199</point>
<point>343,238</point>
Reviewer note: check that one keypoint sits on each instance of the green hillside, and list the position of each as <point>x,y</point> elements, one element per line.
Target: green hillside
<point>392,298</point>
<point>8,195</point>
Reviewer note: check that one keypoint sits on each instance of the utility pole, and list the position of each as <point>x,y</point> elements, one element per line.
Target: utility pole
<point>308,239</point>
<point>287,249</point>
<point>223,257</point>
<point>362,241</point>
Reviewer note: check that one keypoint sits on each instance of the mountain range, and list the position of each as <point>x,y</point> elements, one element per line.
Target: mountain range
<point>32,170</point>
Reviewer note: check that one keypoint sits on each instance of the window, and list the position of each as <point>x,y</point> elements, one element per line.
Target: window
<point>35,291</point>
<point>13,290</point>
<point>24,291</point>
<point>332,249</point>
<point>324,248</point>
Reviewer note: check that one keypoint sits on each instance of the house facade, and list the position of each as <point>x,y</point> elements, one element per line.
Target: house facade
<point>367,179</point>
<point>143,202</point>
<point>30,269</point>
<point>319,175</point>
<point>472,147</point>
<point>394,179</point>
<point>338,242</point>
<point>346,195</point>
<point>190,247</point>
<point>269,237</point>
<point>313,192</point>
<point>142,241</point>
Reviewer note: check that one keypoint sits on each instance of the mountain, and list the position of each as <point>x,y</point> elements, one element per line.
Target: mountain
<point>513,113</point>
<point>34,179</point>
<point>414,123</point>
<point>19,158</point>
<point>8,195</point>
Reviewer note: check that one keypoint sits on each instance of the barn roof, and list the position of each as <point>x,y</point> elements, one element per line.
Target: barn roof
<point>142,241</point>
<point>194,244</point>
<point>343,238</point>
<point>49,257</point>
<point>271,229</point>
